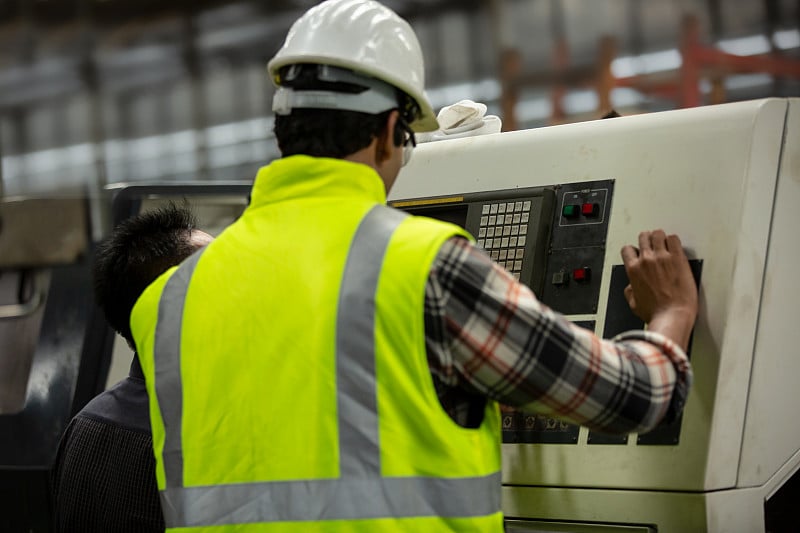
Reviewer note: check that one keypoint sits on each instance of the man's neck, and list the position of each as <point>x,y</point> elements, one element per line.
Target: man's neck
<point>366,156</point>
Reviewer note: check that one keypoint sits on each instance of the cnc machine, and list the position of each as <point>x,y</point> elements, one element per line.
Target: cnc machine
<point>555,206</point>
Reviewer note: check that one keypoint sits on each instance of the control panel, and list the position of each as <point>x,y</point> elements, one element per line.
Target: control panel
<point>577,247</point>
<point>553,240</point>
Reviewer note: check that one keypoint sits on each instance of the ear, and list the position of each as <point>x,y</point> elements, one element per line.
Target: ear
<point>385,147</point>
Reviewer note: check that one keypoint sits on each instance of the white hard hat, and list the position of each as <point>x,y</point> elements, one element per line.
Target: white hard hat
<point>366,37</point>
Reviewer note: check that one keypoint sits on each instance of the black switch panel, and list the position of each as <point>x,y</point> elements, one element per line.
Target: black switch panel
<point>620,318</point>
<point>572,226</point>
<point>565,294</point>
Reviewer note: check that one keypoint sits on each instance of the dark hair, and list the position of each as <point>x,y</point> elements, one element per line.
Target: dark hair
<point>139,250</point>
<point>326,132</point>
<point>330,132</point>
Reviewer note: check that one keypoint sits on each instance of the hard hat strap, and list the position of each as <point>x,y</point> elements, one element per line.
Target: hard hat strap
<point>377,96</point>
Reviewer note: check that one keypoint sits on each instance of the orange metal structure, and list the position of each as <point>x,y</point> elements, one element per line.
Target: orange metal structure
<point>698,61</point>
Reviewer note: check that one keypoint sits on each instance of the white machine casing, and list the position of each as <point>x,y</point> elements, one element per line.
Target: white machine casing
<point>726,179</point>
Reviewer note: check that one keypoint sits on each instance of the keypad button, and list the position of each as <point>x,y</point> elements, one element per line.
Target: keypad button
<point>517,218</point>
<point>503,254</point>
<point>517,207</point>
<point>509,219</point>
<point>516,275</point>
<point>504,242</point>
<point>484,221</point>
<point>520,253</point>
<point>506,231</point>
<point>481,243</point>
<point>512,241</point>
<point>490,232</point>
<point>493,209</point>
<point>521,240</point>
<point>518,265</point>
<point>495,254</point>
<point>523,229</point>
<point>514,230</point>
<point>509,207</point>
<point>525,217</point>
<point>496,243</point>
<point>512,254</point>
<point>485,209</point>
<point>492,220</point>
<point>526,205</point>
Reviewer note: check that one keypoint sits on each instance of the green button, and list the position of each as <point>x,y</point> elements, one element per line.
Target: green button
<point>570,210</point>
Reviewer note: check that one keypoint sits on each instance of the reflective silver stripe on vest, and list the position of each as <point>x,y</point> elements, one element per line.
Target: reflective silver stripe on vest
<point>332,499</point>
<point>167,354</point>
<point>360,491</point>
<point>355,345</point>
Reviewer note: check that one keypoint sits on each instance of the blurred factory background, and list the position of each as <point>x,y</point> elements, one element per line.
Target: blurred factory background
<point>173,97</point>
<point>95,92</point>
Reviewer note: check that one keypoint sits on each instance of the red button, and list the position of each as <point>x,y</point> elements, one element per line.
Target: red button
<point>590,210</point>
<point>580,274</point>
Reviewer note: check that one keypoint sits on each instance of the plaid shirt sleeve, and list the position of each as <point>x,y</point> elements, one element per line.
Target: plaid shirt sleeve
<point>488,335</point>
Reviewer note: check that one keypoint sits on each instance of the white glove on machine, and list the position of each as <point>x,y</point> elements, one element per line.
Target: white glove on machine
<point>462,119</point>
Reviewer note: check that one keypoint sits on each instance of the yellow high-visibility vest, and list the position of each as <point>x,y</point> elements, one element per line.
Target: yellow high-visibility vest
<point>286,366</point>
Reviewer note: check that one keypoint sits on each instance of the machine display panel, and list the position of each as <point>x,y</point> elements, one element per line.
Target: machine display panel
<point>513,227</point>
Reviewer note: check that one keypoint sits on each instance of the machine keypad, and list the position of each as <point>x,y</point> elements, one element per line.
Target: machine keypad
<point>503,233</point>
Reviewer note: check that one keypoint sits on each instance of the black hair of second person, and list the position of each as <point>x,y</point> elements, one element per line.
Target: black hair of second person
<point>329,132</point>
<point>139,250</point>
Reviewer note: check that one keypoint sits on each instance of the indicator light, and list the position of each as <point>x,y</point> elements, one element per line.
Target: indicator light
<point>570,211</point>
<point>581,274</point>
<point>590,210</point>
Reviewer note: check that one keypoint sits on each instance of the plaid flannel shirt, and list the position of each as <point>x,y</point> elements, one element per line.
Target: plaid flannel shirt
<point>489,337</point>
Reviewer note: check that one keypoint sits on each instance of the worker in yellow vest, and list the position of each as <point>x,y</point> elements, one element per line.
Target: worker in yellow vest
<point>329,363</point>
